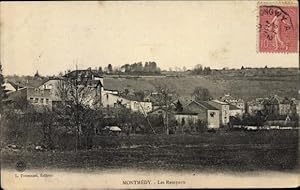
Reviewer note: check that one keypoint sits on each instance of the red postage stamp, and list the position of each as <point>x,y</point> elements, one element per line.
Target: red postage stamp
<point>278,28</point>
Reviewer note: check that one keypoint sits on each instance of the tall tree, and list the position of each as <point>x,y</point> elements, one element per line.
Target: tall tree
<point>109,68</point>
<point>126,68</point>
<point>37,75</point>
<point>201,94</point>
<point>78,104</point>
<point>139,67</point>
<point>198,69</point>
<point>207,71</point>
<point>146,67</point>
<point>140,95</point>
<point>100,70</point>
<point>179,107</point>
<point>153,67</point>
<point>166,95</point>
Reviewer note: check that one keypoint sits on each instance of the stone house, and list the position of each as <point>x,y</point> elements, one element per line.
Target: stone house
<point>205,112</point>
<point>112,99</point>
<point>223,108</point>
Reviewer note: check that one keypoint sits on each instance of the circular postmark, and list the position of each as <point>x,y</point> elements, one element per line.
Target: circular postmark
<point>20,166</point>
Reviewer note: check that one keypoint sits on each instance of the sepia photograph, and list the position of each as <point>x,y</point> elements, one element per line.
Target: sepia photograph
<point>149,94</point>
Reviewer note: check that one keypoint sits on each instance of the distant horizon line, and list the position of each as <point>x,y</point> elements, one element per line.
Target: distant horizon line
<point>162,70</point>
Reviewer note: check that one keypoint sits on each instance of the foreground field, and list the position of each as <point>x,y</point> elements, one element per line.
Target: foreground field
<point>223,151</point>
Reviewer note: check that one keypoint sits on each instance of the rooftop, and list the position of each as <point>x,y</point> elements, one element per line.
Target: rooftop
<point>205,105</point>
<point>233,107</point>
<point>229,98</point>
<point>131,97</point>
<point>220,102</point>
<point>161,108</point>
<point>186,112</point>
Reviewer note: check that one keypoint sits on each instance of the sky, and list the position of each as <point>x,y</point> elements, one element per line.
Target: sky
<point>52,37</point>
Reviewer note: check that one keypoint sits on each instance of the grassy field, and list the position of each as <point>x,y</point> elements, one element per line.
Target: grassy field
<point>221,151</point>
<point>244,87</point>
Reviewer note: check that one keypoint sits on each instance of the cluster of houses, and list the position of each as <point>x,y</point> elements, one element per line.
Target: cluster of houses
<point>48,92</point>
<point>214,113</point>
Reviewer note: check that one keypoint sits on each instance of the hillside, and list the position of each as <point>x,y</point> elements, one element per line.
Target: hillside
<point>243,87</point>
<point>246,87</point>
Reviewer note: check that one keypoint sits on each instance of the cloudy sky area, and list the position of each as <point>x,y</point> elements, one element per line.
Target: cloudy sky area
<point>52,37</point>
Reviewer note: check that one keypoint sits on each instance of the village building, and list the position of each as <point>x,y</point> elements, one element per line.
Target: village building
<point>53,91</point>
<point>284,108</point>
<point>184,120</point>
<point>287,106</point>
<point>276,105</point>
<point>186,117</point>
<point>17,98</point>
<point>271,105</point>
<point>161,111</point>
<point>108,98</point>
<point>184,100</point>
<point>254,106</point>
<point>157,100</point>
<point>234,111</point>
<point>205,112</point>
<point>237,102</point>
<point>112,99</point>
<point>38,97</point>
<point>223,107</point>
<point>46,92</point>
<point>10,87</point>
<point>29,92</point>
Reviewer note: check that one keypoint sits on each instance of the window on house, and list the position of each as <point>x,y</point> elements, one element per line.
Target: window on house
<point>47,100</point>
<point>212,114</point>
<point>36,100</point>
<point>42,100</point>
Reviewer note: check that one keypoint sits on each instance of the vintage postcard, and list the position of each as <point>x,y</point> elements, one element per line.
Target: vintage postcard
<point>149,94</point>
